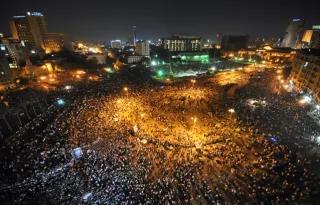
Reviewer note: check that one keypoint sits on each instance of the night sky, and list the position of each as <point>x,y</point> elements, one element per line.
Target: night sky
<point>102,20</point>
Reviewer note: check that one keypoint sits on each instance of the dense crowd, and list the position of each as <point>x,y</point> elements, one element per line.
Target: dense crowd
<point>173,144</point>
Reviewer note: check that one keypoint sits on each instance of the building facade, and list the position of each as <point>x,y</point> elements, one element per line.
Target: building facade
<point>117,44</point>
<point>15,51</point>
<point>182,43</point>
<point>5,73</point>
<point>30,29</point>
<point>275,55</point>
<point>134,59</point>
<point>55,42</point>
<point>234,42</point>
<point>311,38</point>
<point>142,48</point>
<point>293,34</point>
<point>305,72</point>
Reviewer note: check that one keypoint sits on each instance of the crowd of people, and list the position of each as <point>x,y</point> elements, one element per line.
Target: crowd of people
<point>168,144</point>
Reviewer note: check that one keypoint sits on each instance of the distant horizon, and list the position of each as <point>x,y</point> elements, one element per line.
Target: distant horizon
<point>99,21</point>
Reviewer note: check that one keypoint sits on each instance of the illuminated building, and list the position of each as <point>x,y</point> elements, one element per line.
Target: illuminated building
<point>276,55</point>
<point>279,55</point>
<point>5,73</point>
<point>199,57</point>
<point>30,29</point>
<point>234,42</point>
<point>134,59</point>
<point>85,48</point>
<point>134,35</point>
<point>142,48</point>
<point>182,43</point>
<point>293,34</point>
<point>305,72</point>
<point>218,40</point>
<point>311,38</point>
<point>15,51</point>
<point>116,44</point>
<point>55,42</point>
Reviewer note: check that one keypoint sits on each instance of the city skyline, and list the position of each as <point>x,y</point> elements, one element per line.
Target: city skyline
<point>160,102</point>
<point>102,21</point>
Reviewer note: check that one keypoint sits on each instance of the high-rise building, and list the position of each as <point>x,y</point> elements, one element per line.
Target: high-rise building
<point>116,44</point>
<point>234,42</point>
<point>293,33</point>
<point>5,73</point>
<point>178,43</point>
<point>134,35</point>
<point>15,51</point>
<point>311,38</point>
<point>218,40</point>
<point>142,48</point>
<point>30,29</point>
<point>305,73</point>
<point>55,42</point>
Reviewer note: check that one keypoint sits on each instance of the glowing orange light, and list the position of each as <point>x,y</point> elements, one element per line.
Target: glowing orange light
<point>43,77</point>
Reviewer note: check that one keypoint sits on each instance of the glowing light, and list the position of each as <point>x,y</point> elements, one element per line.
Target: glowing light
<point>160,73</point>
<point>77,153</point>
<point>43,77</point>
<point>194,119</point>
<point>231,110</point>
<point>67,87</point>
<point>144,141</point>
<point>306,99</point>
<point>273,139</point>
<point>135,128</point>
<point>213,68</point>
<point>153,63</point>
<point>80,45</point>
<point>267,48</point>
<point>80,72</point>
<point>108,70</point>
<point>61,102</point>
<point>193,81</point>
<point>125,89</point>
